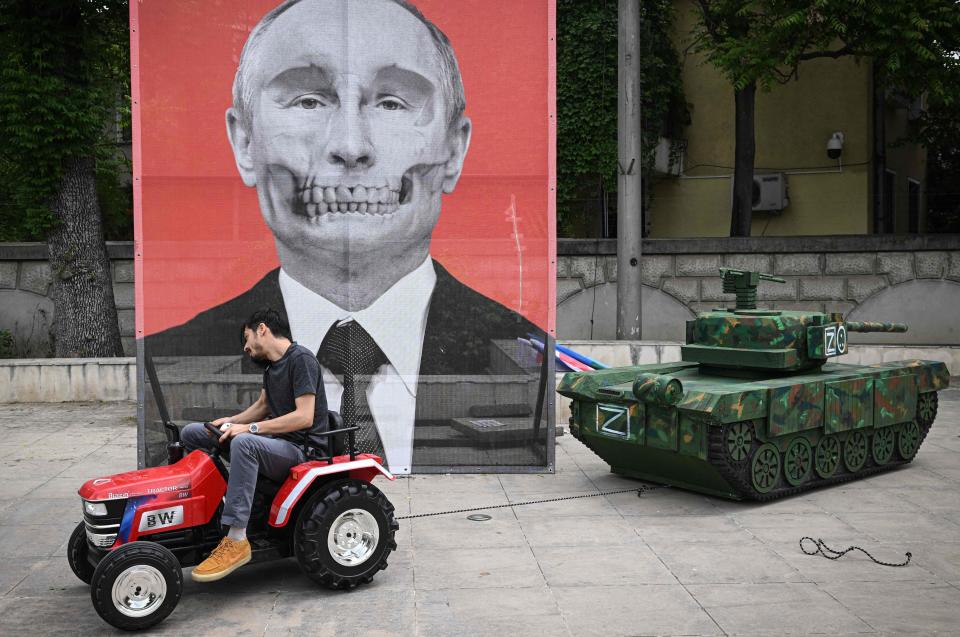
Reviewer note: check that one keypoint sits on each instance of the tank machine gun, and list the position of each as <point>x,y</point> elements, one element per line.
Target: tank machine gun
<point>758,407</point>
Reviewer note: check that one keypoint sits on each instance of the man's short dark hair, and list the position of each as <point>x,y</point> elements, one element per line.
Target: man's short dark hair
<point>275,321</point>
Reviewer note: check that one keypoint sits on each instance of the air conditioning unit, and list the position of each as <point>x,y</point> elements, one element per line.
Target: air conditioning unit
<point>770,192</point>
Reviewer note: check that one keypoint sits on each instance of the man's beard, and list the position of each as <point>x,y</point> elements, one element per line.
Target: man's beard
<point>260,361</point>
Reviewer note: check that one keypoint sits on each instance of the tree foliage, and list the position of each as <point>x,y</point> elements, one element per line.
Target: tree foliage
<point>765,41</point>
<point>587,97</point>
<point>64,68</point>
<point>758,43</point>
<point>938,129</point>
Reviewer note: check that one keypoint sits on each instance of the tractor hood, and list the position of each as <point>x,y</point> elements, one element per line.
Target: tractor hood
<point>182,477</point>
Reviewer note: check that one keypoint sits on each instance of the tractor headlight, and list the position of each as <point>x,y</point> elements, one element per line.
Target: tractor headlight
<point>94,508</point>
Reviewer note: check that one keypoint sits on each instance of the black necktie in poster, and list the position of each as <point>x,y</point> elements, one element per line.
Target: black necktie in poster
<point>348,350</point>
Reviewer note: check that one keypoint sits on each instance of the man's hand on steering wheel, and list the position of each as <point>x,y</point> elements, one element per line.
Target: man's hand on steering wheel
<point>232,431</point>
<point>219,422</point>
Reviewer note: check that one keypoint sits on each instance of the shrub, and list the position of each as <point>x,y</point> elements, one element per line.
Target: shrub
<point>6,344</point>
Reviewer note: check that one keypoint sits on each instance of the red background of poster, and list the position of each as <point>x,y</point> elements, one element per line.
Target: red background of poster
<point>200,236</point>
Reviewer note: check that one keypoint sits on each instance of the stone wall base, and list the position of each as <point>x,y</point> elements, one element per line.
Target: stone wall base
<point>58,380</point>
<point>52,380</point>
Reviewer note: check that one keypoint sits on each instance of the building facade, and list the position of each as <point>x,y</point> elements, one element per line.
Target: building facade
<point>811,193</point>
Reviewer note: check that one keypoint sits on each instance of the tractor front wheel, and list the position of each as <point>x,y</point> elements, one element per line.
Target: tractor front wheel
<point>136,586</point>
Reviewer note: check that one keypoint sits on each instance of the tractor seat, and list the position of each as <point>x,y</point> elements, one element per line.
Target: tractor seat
<point>336,443</point>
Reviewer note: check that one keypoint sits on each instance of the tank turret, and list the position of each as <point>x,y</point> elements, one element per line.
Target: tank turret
<point>727,341</point>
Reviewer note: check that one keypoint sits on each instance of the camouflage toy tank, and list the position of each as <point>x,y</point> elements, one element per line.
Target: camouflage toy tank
<point>754,411</point>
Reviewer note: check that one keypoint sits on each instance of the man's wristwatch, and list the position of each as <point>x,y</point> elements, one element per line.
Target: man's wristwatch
<point>254,428</point>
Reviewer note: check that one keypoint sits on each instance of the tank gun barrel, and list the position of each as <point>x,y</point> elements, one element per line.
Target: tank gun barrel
<point>873,326</point>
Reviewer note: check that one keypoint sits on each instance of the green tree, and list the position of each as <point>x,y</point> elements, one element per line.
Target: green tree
<point>587,99</point>
<point>938,129</point>
<point>759,43</point>
<point>64,69</point>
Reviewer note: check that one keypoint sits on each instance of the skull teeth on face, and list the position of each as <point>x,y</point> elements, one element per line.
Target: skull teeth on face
<point>325,195</point>
<point>319,196</point>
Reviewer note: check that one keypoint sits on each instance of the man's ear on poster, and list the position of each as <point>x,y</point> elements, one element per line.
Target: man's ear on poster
<point>240,138</point>
<point>458,138</point>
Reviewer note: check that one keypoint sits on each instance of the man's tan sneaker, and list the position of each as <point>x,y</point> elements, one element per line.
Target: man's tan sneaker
<point>225,559</point>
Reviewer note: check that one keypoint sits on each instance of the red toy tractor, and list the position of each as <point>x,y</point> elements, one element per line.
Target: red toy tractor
<point>141,528</point>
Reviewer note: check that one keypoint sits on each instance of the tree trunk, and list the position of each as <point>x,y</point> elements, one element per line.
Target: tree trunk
<point>85,316</point>
<point>741,216</point>
<point>880,203</point>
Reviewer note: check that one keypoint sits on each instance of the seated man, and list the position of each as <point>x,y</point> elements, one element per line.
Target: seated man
<point>294,401</point>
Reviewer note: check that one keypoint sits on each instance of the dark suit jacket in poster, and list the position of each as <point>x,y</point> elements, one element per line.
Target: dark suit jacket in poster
<point>461,322</point>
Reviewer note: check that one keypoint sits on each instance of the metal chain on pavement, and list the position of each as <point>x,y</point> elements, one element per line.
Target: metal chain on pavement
<point>821,547</point>
<point>831,554</point>
<point>639,492</point>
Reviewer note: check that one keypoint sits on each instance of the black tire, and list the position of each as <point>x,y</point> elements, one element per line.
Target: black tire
<point>77,551</point>
<point>121,563</point>
<point>314,526</point>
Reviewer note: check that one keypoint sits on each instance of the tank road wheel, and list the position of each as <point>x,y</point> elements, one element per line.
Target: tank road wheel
<point>927,408</point>
<point>883,442</point>
<point>855,451</point>
<point>798,461</point>
<point>738,441</point>
<point>345,534</point>
<point>765,468</point>
<point>827,456</point>
<point>909,440</point>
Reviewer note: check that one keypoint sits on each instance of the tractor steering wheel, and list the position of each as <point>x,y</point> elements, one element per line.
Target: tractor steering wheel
<point>213,430</point>
<point>218,448</point>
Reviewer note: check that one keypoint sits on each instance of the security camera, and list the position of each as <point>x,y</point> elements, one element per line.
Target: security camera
<point>835,145</point>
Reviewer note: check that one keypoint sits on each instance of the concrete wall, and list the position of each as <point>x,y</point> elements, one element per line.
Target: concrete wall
<point>54,380</point>
<point>912,278</point>
<point>26,309</point>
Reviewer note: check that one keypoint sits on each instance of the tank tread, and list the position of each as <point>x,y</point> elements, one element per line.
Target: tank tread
<point>738,477</point>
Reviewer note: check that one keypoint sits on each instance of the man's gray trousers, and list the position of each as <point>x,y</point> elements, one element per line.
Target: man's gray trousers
<point>250,454</point>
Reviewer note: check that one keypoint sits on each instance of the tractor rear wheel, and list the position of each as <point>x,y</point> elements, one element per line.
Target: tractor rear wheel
<point>344,534</point>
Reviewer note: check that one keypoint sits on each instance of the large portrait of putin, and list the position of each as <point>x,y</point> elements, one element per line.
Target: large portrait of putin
<point>350,121</point>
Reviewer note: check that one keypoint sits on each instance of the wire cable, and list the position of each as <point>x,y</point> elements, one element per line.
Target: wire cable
<point>830,554</point>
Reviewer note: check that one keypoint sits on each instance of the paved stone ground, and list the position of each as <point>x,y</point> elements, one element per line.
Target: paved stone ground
<point>671,562</point>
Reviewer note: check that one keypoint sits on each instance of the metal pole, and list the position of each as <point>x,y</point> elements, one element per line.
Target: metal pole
<point>629,196</point>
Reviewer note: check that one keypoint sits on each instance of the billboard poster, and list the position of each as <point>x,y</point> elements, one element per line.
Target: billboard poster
<point>379,172</point>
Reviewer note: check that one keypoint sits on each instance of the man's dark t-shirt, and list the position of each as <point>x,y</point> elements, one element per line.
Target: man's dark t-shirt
<point>297,373</point>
